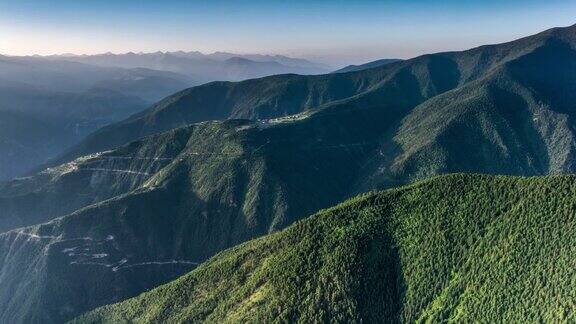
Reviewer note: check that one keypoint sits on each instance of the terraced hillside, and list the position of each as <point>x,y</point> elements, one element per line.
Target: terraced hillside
<point>464,248</point>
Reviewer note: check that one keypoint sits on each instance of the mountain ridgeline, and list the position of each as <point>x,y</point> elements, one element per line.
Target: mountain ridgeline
<point>147,211</point>
<point>365,66</point>
<point>76,95</point>
<point>519,73</point>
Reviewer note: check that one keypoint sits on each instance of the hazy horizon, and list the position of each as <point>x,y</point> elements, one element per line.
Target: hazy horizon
<point>367,30</point>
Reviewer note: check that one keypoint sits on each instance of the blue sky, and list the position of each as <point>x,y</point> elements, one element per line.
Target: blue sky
<point>338,32</point>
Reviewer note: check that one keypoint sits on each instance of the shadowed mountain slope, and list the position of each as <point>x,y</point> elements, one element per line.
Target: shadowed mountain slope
<point>24,141</point>
<point>61,75</point>
<point>50,122</point>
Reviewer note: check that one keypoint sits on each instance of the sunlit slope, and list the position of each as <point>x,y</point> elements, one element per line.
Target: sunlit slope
<point>454,248</point>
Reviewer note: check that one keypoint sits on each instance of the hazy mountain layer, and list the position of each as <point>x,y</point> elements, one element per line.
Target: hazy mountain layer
<point>80,113</point>
<point>61,75</point>
<point>205,68</point>
<point>461,248</point>
<point>72,100</point>
<point>150,85</point>
<point>39,125</point>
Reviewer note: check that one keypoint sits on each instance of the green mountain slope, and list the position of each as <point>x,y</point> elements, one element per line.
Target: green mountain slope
<point>232,182</point>
<point>461,248</point>
<point>483,110</point>
<point>269,97</point>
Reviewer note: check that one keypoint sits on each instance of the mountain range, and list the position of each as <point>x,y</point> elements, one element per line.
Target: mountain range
<point>61,102</point>
<point>60,75</point>
<point>145,200</point>
<point>204,67</point>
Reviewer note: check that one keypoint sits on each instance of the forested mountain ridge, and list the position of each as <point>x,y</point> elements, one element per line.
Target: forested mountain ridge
<point>371,259</point>
<point>359,120</point>
<point>90,179</point>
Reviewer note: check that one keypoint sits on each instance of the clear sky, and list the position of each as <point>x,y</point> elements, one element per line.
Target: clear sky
<point>334,31</point>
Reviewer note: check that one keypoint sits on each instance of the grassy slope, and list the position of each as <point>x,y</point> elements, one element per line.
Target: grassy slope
<point>460,247</point>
